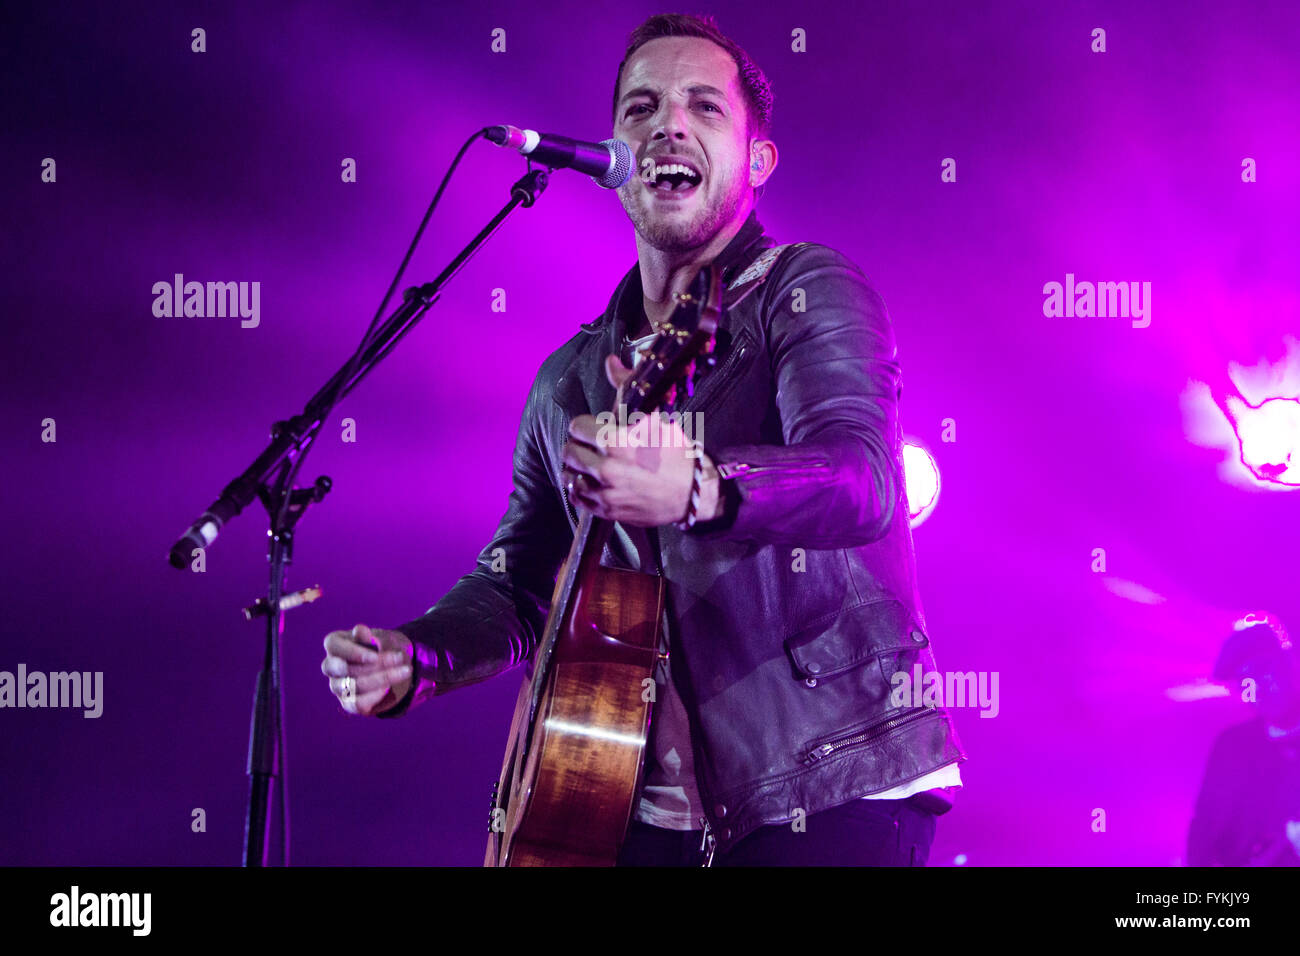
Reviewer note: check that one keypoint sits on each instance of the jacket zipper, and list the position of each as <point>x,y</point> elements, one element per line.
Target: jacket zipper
<point>708,843</point>
<point>826,749</point>
<point>718,375</point>
<point>744,468</point>
<point>572,512</point>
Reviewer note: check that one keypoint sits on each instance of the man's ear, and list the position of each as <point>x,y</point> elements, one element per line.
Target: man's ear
<point>762,161</point>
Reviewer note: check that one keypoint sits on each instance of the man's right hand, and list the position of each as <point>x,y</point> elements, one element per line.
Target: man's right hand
<point>376,661</point>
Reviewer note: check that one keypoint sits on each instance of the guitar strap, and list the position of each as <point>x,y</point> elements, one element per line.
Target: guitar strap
<point>750,278</point>
<point>755,274</point>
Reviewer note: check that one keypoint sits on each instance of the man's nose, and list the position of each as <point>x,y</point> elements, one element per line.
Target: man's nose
<point>672,123</point>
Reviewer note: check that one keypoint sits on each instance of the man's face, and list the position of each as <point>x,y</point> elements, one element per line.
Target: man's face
<point>681,102</point>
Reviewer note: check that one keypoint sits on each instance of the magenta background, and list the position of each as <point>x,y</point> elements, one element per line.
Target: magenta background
<point>225,166</point>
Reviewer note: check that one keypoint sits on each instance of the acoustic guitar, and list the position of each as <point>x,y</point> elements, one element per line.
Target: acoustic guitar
<point>576,750</point>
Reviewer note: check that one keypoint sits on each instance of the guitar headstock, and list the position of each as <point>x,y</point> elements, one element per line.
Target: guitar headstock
<point>682,342</point>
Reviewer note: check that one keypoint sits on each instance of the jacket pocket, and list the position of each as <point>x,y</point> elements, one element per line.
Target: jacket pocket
<point>853,637</point>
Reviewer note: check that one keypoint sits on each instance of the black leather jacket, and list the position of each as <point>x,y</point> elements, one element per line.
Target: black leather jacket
<point>792,609</point>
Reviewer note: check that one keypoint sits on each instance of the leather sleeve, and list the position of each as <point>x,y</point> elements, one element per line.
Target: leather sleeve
<point>837,479</point>
<point>492,617</point>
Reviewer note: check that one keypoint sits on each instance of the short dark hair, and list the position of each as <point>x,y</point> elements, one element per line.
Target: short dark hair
<point>1258,637</point>
<point>758,91</point>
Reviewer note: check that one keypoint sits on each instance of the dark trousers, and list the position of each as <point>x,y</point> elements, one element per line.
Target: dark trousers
<point>858,833</point>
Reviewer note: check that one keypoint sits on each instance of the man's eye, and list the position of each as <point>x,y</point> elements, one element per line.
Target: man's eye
<point>639,106</point>
<point>712,107</point>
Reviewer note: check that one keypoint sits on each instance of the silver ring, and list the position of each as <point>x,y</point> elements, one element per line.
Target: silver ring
<point>349,690</point>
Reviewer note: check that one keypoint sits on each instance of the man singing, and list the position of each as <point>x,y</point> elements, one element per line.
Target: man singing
<point>791,585</point>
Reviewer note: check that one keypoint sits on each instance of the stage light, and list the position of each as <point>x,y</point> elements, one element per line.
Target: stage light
<point>1268,435</point>
<point>1254,418</point>
<point>921,473</point>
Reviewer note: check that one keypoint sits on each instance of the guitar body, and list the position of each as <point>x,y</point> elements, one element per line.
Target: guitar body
<point>573,763</point>
<point>570,800</point>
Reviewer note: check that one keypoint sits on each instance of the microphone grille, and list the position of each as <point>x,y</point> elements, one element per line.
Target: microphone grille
<point>620,169</point>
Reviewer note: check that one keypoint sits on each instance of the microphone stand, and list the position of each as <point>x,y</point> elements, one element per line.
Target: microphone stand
<point>269,478</point>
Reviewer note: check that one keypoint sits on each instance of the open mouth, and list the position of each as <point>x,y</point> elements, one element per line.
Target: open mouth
<point>674,180</point>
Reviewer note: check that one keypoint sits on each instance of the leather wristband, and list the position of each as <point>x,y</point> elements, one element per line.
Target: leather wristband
<point>697,478</point>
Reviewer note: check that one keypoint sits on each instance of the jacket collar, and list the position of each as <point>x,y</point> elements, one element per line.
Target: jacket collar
<point>583,386</point>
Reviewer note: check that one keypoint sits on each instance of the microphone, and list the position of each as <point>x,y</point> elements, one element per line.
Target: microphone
<point>245,489</point>
<point>205,530</point>
<point>609,163</point>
